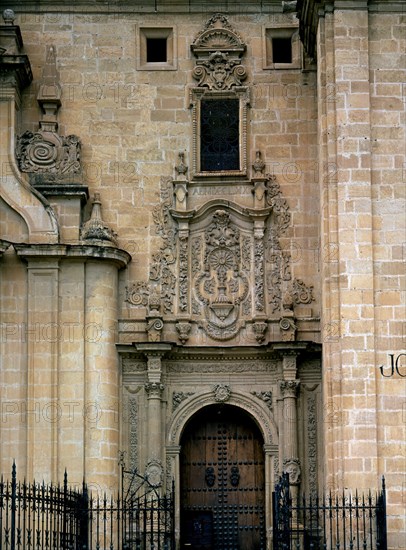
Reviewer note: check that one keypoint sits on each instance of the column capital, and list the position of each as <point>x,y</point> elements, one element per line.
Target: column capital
<point>154,390</point>
<point>289,388</point>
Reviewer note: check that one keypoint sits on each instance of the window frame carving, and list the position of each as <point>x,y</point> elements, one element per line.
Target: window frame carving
<point>218,49</point>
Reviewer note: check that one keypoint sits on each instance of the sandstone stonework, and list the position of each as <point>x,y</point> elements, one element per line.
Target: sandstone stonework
<point>137,287</point>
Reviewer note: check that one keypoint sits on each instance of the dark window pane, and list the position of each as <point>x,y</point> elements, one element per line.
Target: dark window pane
<point>219,139</point>
<point>156,50</point>
<point>281,50</point>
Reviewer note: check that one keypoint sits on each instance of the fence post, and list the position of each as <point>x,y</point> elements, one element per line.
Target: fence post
<point>13,506</point>
<point>83,534</point>
<point>382,542</point>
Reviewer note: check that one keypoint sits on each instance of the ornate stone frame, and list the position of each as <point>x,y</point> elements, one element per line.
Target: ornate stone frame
<point>218,49</point>
<point>196,96</point>
<point>249,403</point>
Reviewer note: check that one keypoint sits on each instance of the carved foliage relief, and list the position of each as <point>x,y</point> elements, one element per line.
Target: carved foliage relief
<point>221,285</point>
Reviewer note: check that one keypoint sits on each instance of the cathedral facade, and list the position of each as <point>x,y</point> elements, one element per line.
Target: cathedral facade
<point>202,248</point>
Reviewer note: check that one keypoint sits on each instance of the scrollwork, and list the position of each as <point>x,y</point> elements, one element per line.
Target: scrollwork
<point>179,397</point>
<point>47,152</point>
<point>137,294</point>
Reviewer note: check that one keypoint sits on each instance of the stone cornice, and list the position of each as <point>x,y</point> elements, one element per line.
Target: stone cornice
<point>73,252</point>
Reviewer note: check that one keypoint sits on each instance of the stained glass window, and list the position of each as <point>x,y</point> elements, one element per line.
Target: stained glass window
<point>219,137</point>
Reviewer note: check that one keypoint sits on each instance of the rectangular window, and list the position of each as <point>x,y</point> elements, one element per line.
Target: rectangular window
<point>282,50</point>
<point>219,135</point>
<point>156,50</point>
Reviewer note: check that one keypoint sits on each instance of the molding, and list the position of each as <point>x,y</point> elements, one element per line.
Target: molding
<point>73,252</point>
<point>255,407</point>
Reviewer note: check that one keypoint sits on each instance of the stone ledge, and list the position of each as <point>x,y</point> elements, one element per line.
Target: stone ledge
<point>73,252</point>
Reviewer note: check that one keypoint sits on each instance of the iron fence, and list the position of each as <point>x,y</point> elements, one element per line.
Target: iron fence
<point>327,522</point>
<point>55,517</point>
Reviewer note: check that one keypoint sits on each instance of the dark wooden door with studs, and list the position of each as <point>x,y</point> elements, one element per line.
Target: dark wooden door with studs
<point>222,481</point>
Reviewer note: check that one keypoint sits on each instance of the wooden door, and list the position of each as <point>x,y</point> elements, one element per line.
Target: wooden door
<point>222,481</point>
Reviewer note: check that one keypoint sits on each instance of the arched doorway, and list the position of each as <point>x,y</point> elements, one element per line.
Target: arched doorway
<point>222,493</point>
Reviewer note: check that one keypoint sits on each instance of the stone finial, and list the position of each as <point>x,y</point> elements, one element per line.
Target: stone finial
<point>49,94</point>
<point>8,17</point>
<point>95,228</point>
<point>181,168</point>
<point>258,165</point>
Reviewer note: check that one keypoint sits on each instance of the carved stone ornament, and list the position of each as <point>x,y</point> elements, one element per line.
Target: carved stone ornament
<point>289,388</point>
<point>219,72</point>
<point>278,260</point>
<point>266,396</point>
<point>292,467</point>
<point>259,329</point>
<point>154,389</point>
<point>181,168</point>
<point>95,228</point>
<point>258,165</point>
<point>218,35</point>
<point>222,392</point>
<point>179,397</point>
<point>183,329</point>
<point>137,294</point>
<point>288,328</point>
<point>47,152</point>
<point>154,329</point>
<point>221,286</point>
<point>302,294</point>
<point>154,473</point>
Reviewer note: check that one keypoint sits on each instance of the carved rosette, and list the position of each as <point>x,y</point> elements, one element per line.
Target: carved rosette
<point>222,393</point>
<point>221,287</point>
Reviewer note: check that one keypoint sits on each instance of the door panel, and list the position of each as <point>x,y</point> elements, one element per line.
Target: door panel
<point>222,481</point>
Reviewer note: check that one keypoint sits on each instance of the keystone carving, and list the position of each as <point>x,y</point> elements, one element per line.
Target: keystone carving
<point>222,392</point>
